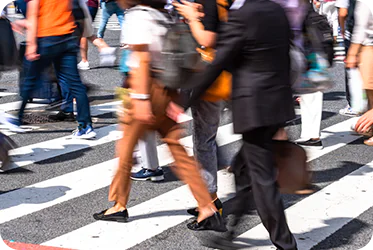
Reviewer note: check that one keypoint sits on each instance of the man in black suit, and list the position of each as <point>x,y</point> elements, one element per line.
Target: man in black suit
<point>254,46</point>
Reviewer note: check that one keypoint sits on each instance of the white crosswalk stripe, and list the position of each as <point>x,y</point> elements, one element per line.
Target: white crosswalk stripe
<point>339,50</point>
<point>61,178</point>
<point>304,220</point>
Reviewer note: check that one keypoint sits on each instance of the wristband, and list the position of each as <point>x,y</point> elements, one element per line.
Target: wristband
<point>140,96</point>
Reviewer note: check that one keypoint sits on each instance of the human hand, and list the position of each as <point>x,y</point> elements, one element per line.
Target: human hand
<point>188,10</point>
<point>31,52</point>
<point>142,111</point>
<point>364,124</point>
<point>351,61</point>
<point>19,26</point>
<point>173,111</point>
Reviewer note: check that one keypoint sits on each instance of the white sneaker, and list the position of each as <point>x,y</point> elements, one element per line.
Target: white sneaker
<point>107,57</point>
<point>348,111</point>
<point>83,65</point>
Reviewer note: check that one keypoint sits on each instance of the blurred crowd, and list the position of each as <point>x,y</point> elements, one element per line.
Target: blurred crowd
<point>260,56</point>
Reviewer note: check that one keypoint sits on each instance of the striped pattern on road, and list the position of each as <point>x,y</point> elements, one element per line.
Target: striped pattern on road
<point>168,207</point>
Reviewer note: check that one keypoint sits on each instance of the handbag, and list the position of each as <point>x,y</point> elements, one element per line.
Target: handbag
<point>221,89</point>
<point>8,46</point>
<point>293,175</point>
<point>359,102</point>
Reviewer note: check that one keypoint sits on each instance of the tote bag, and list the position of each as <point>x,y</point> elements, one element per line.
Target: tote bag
<point>359,102</point>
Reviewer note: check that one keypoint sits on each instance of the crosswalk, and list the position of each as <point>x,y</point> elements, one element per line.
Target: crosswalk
<point>339,50</point>
<point>112,24</point>
<point>54,185</point>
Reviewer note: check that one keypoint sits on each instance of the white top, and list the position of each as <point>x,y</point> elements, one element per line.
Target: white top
<point>342,4</point>
<point>363,28</point>
<point>141,27</point>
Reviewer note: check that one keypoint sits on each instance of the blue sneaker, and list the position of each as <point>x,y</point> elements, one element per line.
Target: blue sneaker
<point>147,174</point>
<point>13,124</point>
<point>84,133</point>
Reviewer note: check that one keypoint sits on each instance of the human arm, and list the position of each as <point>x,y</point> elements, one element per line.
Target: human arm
<point>32,29</point>
<point>140,84</point>
<point>204,35</point>
<point>229,44</point>
<point>19,26</point>
<point>362,17</point>
<point>342,6</point>
<point>342,16</point>
<point>138,35</point>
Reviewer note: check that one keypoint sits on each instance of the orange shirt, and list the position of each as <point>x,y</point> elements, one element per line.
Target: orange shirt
<point>55,18</point>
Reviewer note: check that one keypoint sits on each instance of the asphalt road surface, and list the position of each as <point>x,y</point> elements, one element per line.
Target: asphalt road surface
<point>56,183</point>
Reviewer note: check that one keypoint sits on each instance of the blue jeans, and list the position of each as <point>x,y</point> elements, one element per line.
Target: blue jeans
<point>206,118</point>
<point>62,52</point>
<point>109,9</point>
<point>93,12</point>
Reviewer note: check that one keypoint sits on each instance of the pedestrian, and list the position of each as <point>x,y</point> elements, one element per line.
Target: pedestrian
<point>260,65</point>
<point>109,8</point>
<point>50,40</point>
<point>346,23</point>
<point>107,54</point>
<point>147,111</point>
<point>360,54</point>
<point>206,111</point>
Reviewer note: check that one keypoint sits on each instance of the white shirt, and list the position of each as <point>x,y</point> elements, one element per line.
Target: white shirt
<point>363,28</point>
<point>342,4</point>
<point>141,27</point>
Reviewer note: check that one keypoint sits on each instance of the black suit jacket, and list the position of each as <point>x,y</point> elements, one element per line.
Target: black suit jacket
<point>254,46</point>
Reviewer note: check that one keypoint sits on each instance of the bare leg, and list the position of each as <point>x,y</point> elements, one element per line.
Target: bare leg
<point>98,42</point>
<point>84,49</point>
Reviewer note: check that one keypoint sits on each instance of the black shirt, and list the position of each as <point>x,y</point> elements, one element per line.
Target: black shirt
<point>211,19</point>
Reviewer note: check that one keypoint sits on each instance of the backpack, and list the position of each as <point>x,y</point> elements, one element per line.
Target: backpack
<point>319,34</point>
<point>179,60</point>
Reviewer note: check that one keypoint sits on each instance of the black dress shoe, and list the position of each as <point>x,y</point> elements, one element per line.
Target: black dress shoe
<point>215,222</point>
<point>121,216</point>
<point>217,203</point>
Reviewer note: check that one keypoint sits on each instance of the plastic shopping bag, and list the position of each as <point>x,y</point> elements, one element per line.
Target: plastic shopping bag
<point>359,102</point>
<point>317,76</point>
